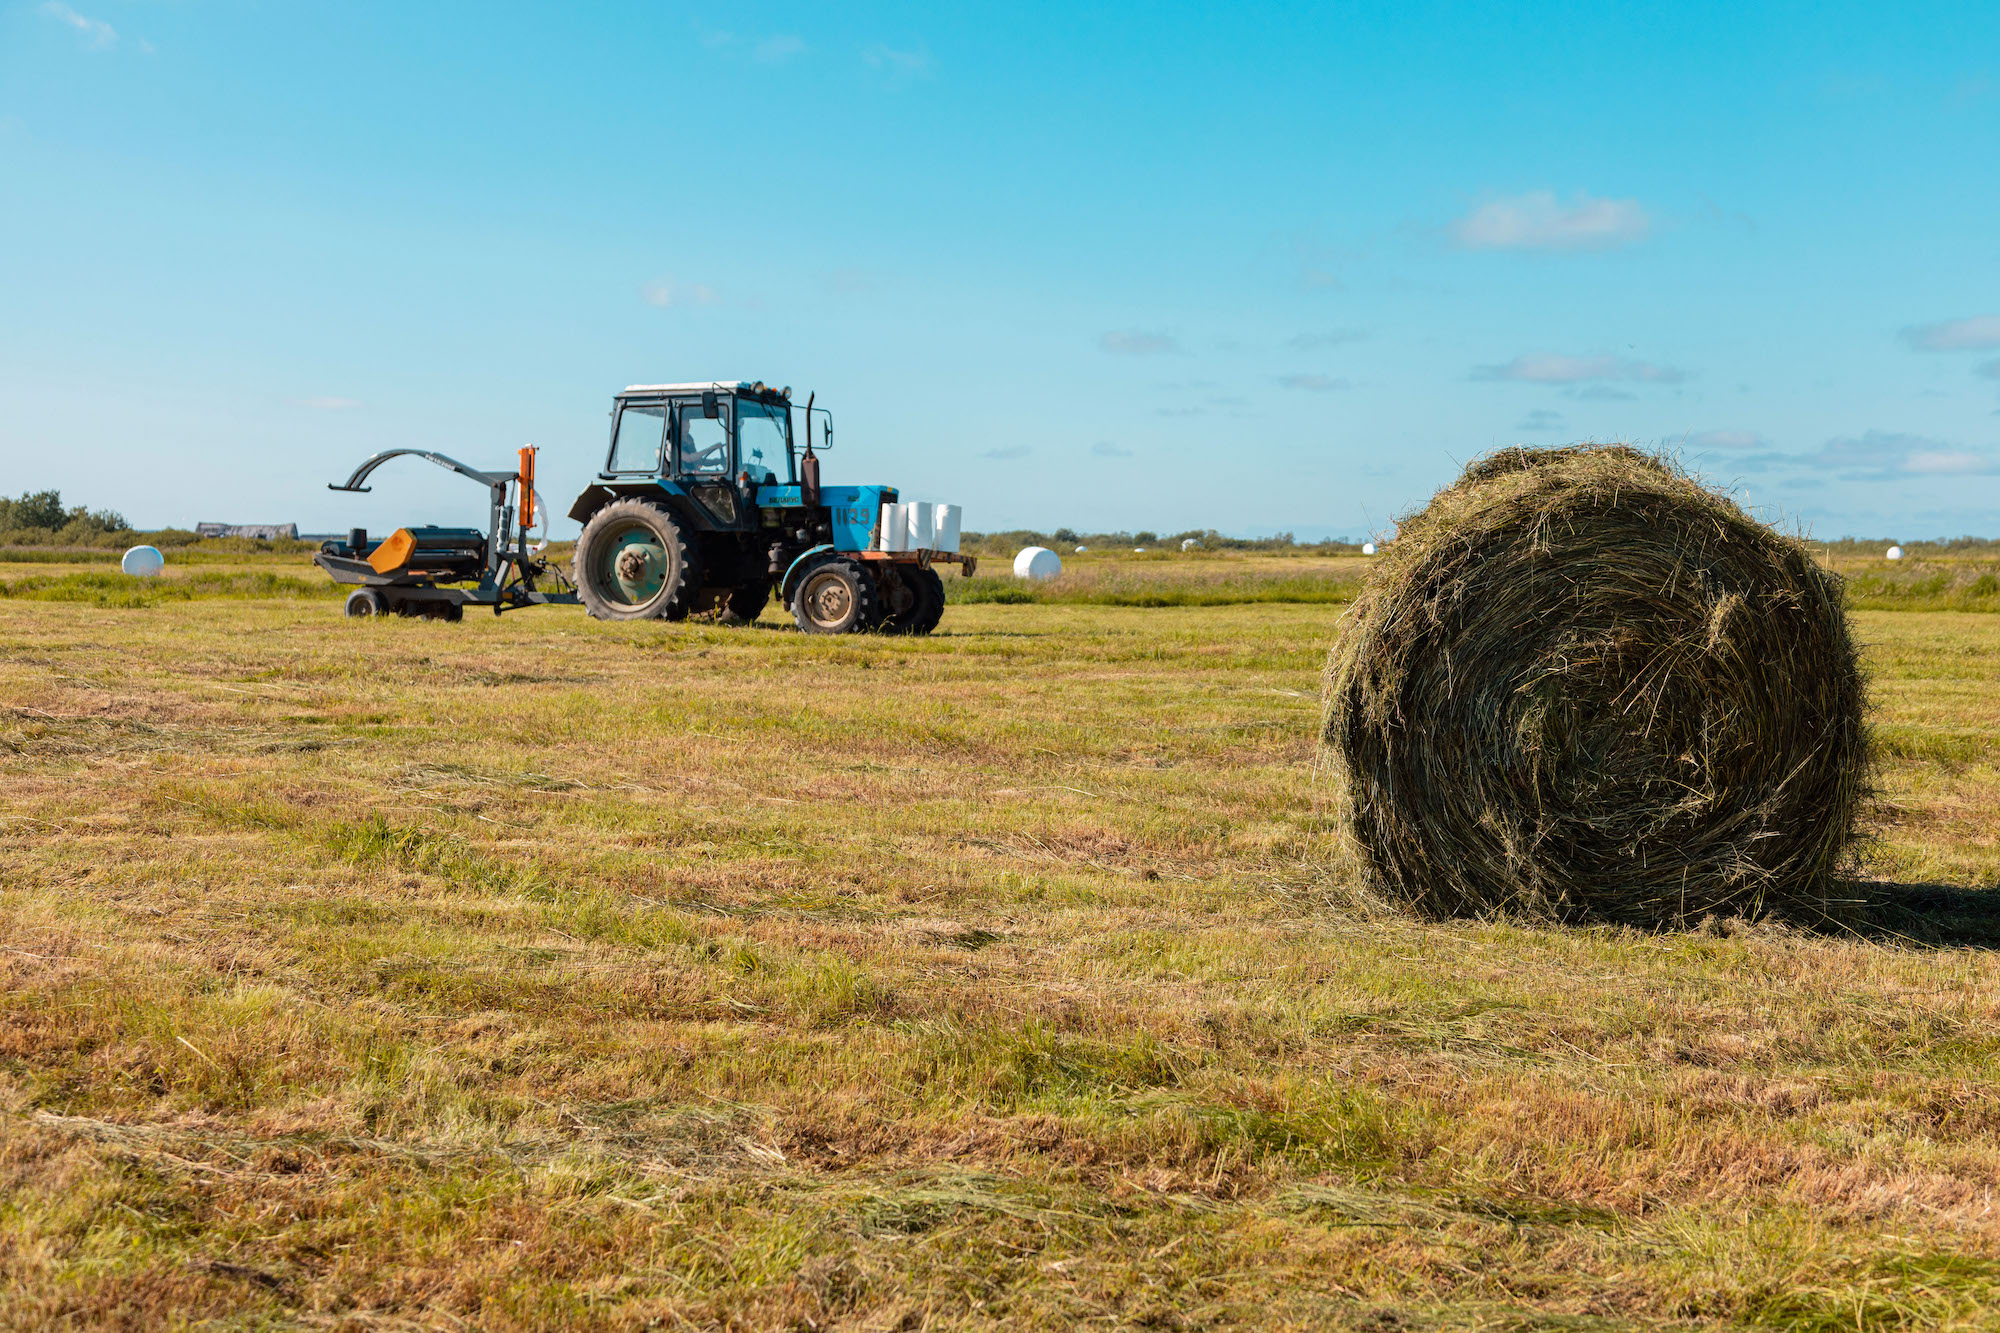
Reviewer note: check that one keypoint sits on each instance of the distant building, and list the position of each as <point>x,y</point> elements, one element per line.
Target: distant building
<point>270,532</point>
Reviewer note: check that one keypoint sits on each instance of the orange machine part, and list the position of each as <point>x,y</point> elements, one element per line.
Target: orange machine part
<point>394,552</point>
<point>527,487</point>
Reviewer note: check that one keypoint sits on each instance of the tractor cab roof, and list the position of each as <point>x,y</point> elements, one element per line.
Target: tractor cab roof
<point>749,388</point>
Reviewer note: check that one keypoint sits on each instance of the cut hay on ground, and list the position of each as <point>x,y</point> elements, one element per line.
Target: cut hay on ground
<point>1582,684</point>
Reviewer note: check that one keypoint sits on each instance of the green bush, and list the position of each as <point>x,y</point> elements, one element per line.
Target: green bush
<point>40,516</point>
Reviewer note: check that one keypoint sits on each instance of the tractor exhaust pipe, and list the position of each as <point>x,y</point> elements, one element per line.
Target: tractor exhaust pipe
<point>809,465</point>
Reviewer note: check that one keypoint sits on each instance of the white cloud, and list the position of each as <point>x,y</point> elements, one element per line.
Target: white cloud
<point>780,48</point>
<point>1955,335</point>
<point>1727,439</point>
<point>1549,368</point>
<point>899,64</point>
<point>1138,342</point>
<point>96,33</point>
<point>1312,383</point>
<point>1539,221</point>
<point>1106,449</point>
<point>329,404</point>
<point>1948,462</point>
<point>1881,455</point>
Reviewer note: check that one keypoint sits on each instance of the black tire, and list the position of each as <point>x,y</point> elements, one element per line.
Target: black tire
<point>931,593</point>
<point>740,606</point>
<point>636,561</point>
<point>836,596</point>
<point>366,602</point>
<point>915,604</point>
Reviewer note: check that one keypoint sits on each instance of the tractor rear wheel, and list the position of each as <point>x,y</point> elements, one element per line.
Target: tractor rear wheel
<point>636,561</point>
<point>836,596</point>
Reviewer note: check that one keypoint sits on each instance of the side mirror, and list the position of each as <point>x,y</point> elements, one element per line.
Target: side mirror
<point>709,407</point>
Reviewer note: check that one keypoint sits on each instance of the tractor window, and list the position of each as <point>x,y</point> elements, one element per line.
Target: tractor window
<point>702,442</point>
<point>763,442</point>
<point>641,427</point>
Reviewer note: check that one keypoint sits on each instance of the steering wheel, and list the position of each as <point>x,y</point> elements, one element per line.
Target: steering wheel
<point>700,460</point>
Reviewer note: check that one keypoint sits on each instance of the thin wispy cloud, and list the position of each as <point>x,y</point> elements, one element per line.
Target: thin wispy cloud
<point>780,48</point>
<point>1955,335</point>
<point>667,294</point>
<point>1312,383</point>
<point>96,33</point>
<point>1138,342</point>
<point>1727,439</point>
<point>901,64</point>
<point>1550,368</point>
<point>1990,369</point>
<point>1539,421</point>
<point>1106,449</point>
<point>327,403</point>
<point>1540,221</point>
<point>1314,342</point>
<point>1008,452</point>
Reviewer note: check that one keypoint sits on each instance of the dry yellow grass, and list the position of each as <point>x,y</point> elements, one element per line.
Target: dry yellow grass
<point>542,973</point>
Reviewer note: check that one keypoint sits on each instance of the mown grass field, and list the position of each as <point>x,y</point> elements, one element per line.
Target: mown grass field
<point>537,973</point>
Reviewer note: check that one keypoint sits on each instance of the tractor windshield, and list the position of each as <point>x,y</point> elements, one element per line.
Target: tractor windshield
<point>764,442</point>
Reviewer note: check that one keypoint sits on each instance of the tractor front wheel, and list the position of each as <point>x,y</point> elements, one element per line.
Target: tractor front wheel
<point>635,561</point>
<point>836,596</point>
<point>366,602</point>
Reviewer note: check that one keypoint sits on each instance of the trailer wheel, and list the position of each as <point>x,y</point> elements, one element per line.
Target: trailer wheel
<point>740,606</point>
<point>366,602</point>
<point>930,598</point>
<point>916,605</point>
<point>634,561</point>
<point>836,596</point>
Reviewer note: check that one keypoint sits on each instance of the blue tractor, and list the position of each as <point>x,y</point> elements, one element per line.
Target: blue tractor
<point>706,504</point>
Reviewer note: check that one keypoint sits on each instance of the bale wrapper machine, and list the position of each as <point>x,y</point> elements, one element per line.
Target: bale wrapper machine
<point>424,571</point>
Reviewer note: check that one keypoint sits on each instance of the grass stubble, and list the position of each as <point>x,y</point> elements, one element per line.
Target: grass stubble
<point>538,973</point>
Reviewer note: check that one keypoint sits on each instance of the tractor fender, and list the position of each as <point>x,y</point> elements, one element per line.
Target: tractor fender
<point>601,493</point>
<point>797,570</point>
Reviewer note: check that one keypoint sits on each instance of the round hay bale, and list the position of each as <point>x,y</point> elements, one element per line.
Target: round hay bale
<point>1581,684</point>
<point>1037,562</point>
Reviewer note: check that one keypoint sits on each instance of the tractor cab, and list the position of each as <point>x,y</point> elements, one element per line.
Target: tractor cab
<point>708,501</point>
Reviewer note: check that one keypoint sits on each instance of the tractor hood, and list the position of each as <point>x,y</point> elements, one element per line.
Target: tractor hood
<point>856,510</point>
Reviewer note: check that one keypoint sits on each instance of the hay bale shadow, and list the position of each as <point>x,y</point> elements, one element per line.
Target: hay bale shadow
<point>1931,916</point>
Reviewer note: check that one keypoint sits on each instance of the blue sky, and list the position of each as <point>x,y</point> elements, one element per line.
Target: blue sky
<point>1247,267</point>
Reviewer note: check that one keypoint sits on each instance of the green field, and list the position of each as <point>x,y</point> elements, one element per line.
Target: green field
<point>536,972</point>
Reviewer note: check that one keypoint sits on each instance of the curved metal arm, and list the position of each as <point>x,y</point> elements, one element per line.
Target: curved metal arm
<point>491,480</point>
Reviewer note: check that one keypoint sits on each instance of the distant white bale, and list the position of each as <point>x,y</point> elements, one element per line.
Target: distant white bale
<point>145,561</point>
<point>1894,553</point>
<point>1037,562</point>
<point>1082,549</point>
<point>947,527</point>
<point>1189,543</point>
<point>1138,550</point>
<point>919,526</point>
<point>1368,548</point>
